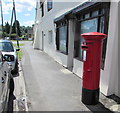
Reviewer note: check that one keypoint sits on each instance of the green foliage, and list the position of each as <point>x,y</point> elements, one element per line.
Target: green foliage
<point>18,28</point>
<point>22,30</point>
<point>23,36</point>
<point>7,28</point>
<point>5,34</point>
<point>13,36</point>
<point>19,53</point>
<point>15,45</point>
<point>1,34</point>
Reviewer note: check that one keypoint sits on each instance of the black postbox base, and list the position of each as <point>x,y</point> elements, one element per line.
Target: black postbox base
<point>90,97</point>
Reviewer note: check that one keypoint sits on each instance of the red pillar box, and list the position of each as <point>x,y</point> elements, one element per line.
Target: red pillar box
<point>92,49</point>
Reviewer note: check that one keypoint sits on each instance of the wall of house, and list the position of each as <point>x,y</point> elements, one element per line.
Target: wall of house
<point>118,50</point>
<point>36,27</point>
<point>78,68</point>
<point>46,24</point>
<point>71,34</point>
<point>109,76</point>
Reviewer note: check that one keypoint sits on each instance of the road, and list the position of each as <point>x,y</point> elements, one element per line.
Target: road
<point>50,87</point>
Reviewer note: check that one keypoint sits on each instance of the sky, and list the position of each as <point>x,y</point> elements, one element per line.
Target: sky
<point>25,11</point>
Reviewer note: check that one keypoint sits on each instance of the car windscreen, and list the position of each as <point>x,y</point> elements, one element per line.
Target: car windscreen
<point>6,47</point>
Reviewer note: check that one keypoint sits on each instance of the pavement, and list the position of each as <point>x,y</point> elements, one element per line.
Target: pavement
<point>18,101</point>
<point>45,85</point>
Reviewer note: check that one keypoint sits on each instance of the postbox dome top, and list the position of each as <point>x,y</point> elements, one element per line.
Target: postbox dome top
<point>93,35</point>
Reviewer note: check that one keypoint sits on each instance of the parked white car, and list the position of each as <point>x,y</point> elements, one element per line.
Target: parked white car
<point>7,48</point>
<point>6,82</point>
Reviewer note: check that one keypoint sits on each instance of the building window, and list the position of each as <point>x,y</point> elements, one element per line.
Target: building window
<point>50,37</point>
<point>62,37</point>
<point>42,8</point>
<point>87,26</point>
<point>94,20</point>
<point>49,5</point>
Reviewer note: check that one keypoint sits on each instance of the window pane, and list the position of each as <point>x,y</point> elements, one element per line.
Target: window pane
<point>102,25</point>
<point>81,17</point>
<point>95,13</point>
<point>104,42</point>
<point>102,11</point>
<point>42,7</point>
<point>87,26</point>
<point>87,15</point>
<point>62,38</point>
<point>49,5</point>
<point>50,37</point>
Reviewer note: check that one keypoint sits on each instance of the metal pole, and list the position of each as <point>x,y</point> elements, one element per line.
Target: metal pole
<point>2,20</point>
<point>15,23</point>
<point>11,25</point>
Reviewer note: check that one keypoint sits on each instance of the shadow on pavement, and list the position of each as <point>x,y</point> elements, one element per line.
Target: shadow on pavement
<point>100,108</point>
<point>10,103</point>
<point>11,98</point>
<point>115,98</point>
<point>15,75</point>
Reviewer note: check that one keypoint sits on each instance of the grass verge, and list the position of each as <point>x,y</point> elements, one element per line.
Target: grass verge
<point>19,53</point>
<point>15,45</point>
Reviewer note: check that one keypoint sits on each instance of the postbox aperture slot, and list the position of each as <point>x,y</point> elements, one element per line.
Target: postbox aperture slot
<point>85,47</point>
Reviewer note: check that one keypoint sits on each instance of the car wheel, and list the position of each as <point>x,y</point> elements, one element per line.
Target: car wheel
<point>15,71</point>
<point>11,86</point>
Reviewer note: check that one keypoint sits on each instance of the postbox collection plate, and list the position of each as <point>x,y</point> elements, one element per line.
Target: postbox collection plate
<point>84,55</point>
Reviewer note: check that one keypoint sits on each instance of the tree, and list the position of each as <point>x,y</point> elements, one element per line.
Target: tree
<point>22,28</point>
<point>18,28</point>
<point>13,36</point>
<point>5,34</point>
<point>7,28</point>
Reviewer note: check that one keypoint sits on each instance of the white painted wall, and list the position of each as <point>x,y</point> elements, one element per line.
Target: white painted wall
<point>46,23</point>
<point>78,68</point>
<point>36,27</point>
<point>118,50</point>
<point>71,34</point>
<point>109,75</point>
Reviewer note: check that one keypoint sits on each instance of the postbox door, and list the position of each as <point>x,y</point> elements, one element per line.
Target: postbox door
<point>87,68</point>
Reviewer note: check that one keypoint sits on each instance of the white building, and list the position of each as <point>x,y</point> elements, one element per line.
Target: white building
<point>57,32</point>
